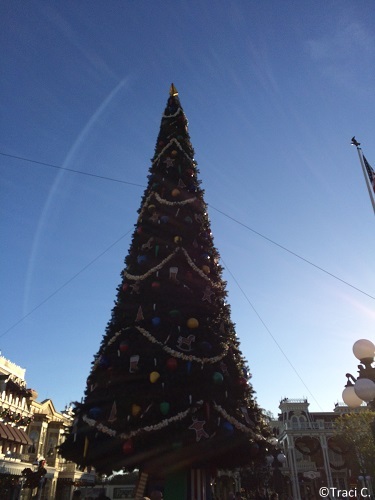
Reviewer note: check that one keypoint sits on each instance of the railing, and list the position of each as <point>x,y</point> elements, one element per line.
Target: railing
<point>297,426</point>
<point>68,467</point>
<point>16,404</point>
<point>304,465</point>
<point>287,400</point>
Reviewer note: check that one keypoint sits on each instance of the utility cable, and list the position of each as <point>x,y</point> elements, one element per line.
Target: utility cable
<point>64,284</point>
<point>140,185</point>
<point>51,165</point>
<point>293,253</point>
<point>214,208</point>
<point>269,332</point>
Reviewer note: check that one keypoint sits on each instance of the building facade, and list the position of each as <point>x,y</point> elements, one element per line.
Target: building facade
<point>314,456</point>
<point>29,432</point>
<point>46,432</point>
<point>15,416</point>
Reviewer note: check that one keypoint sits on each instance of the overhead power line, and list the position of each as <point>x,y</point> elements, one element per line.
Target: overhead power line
<point>294,253</point>
<point>51,165</point>
<point>270,333</point>
<point>235,280</point>
<point>101,177</point>
<point>64,285</point>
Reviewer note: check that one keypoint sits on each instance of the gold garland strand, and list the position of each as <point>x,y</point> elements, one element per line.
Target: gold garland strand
<point>134,277</point>
<point>179,147</point>
<point>167,349</point>
<point>162,201</point>
<point>150,428</point>
<point>165,422</point>
<point>153,270</point>
<point>180,355</point>
<point>174,115</point>
<point>235,422</point>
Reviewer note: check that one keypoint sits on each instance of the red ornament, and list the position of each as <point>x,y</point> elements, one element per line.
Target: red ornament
<point>242,381</point>
<point>189,275</point>
<point>172,364</point>
<point>124,346</point>
<point>155,285</point>
<point>128,447</point>
<point>139,229</point>
<point>125,286</point>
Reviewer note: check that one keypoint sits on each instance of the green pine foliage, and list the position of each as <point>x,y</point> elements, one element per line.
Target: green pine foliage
<point>169,386</point>
<point>356,431</point>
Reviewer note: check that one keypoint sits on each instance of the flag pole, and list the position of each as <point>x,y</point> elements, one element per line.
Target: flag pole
<point>360,155</point>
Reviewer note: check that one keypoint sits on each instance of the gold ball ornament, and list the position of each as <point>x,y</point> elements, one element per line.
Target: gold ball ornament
<point>136,410</point>
<point>154,377</point>
<point>206,269</point>
<point>192,323</point>
<point>177,239</point>
<point>175,193</point>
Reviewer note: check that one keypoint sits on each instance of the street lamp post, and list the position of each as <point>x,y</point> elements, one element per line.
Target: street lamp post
<point>275,461</point>
<point>361,388</point>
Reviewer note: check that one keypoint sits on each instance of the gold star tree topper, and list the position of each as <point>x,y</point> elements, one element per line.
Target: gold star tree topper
<point>173,90</point>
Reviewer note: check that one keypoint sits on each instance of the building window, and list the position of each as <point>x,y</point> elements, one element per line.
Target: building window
<point>295,422</point>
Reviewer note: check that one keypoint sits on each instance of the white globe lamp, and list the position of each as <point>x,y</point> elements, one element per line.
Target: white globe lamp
<point>350,398</point>
<point>364,349</point>
<point>365,389</point>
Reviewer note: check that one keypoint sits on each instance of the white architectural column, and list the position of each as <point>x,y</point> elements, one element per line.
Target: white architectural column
<point>327,468</point>
<point>291,457</point>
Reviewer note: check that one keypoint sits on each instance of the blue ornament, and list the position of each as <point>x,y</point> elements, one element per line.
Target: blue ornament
<point>95,412</point>
<point>141,259</point>
<point>155,321</point>
<point>164,219</point>
<point>228,428</point>
<point>103,362</point>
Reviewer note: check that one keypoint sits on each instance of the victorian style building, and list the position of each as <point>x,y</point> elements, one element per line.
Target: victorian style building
<point>314,456</point>
<point>31,431</point>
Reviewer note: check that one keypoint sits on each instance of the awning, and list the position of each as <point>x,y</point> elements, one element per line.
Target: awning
<point>14,434</point>
<point>3,434</point>
<point>15,469</point>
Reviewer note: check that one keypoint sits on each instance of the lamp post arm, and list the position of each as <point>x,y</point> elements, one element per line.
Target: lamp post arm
<point>351,380</point>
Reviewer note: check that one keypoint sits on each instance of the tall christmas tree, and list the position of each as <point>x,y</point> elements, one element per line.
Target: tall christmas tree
<point>169,388</point>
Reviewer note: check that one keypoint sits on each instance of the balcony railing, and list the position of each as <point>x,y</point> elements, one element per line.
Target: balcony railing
<point>305,465</point>
<point>296,426</point>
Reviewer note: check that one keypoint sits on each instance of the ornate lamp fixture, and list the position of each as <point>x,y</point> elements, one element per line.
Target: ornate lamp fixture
<point>276,460</point>
<point>361,388</point>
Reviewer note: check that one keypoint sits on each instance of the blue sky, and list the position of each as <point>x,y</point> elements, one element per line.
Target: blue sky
<point>273,91</point>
